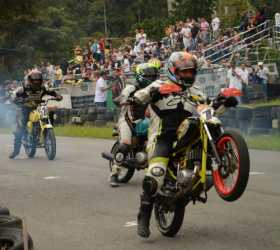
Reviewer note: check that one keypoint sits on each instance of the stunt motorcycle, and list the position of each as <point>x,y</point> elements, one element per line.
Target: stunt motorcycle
<point>40,132</point>
<point>203,155</point>
<point>136,159</point>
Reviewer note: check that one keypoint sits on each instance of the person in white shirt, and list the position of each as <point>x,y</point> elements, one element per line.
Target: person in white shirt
<point>277,22</point>
<point>215,24</point>
<point>101,88</point>
<point>137,36</point>
<point>187,36</point>
<point>126,64</point>
<point>142,38</point>
<point>244,74</point>
<point>234,79</point>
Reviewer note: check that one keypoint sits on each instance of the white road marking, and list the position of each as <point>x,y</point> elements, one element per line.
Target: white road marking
<point>256,173</point>
<point>131,223</point>
<point>51,177</point>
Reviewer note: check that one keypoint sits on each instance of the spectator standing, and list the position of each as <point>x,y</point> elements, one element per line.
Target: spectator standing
<point>244,22</point>
<point>137,36</point>
<point>58,76</point>
<point>51,73</point>
<point>101,88</point>
<point>204,31</point>
<point>187,36</point>
<point>215,24</point>
<point>126,64</point>
<point>277,22</point>
<point>234,79</point>
<point>142,38</point>
<point>102,50</point>
<point>263,74</point>
<point>95,50</point>
<point>244,74</point>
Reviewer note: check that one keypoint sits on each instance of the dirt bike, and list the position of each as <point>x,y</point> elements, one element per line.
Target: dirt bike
<point>203,155</point>
<point>136,159</point>
<point>40,132</point>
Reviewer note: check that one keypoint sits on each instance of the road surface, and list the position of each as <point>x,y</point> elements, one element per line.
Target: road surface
<point>68,204</point>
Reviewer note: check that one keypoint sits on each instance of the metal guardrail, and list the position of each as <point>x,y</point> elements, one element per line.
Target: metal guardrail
<point>246,39</point>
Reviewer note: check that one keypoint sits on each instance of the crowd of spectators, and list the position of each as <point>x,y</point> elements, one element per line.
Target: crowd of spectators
<point>198,36</point>
<point>243,75</point>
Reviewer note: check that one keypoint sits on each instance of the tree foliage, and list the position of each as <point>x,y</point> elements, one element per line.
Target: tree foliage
<point>47,30</point>
<point>189,8</point>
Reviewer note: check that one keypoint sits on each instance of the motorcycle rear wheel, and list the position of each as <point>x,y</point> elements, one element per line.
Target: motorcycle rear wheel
<point>231,178</point>
<point>169,227</point>
<point>50,144</point>
<point>125,174</point>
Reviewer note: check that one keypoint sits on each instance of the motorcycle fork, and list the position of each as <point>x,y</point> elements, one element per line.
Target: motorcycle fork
<point>42,130</point>
<point>203,168</point>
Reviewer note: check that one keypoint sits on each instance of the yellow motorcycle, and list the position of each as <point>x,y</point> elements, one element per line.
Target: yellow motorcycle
<point>40,132</point>
<point>203,155</point>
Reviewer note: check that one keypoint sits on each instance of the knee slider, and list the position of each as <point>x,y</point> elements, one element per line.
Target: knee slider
<point>150,185</point>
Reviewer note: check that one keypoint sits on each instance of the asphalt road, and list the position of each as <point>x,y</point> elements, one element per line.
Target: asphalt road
<point>68,204</point>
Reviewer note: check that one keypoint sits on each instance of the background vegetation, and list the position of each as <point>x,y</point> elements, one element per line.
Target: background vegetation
<point>47,30</point>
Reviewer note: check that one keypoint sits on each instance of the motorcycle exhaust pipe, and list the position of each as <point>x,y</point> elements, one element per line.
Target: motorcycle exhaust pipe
<point>107,156</point>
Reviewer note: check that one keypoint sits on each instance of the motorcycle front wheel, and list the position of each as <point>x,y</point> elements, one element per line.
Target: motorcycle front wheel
<point>30,145</point>
<point>231,178</point>
<point>124,174</point>
<point>169,221</point>
<point>50,144</point>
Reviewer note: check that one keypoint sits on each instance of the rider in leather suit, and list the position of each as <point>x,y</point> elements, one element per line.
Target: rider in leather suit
<point>130,114</point>
<point>28,97</point>
<point>167,111</point>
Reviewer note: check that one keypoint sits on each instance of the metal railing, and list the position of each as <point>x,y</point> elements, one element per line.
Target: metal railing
<point>238,42</point>
<point>276,37</point>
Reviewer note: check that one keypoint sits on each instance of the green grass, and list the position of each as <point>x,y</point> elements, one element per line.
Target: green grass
<point>264,142</point>
<point>84,131</point>
<point>275,102</point>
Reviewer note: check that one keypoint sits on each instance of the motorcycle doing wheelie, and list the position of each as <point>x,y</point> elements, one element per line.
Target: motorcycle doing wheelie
<point>40,132</point>
<point>203,155</point>
<point>136,159</point>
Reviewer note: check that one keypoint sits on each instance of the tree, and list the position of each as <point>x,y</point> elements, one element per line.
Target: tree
<point>183,9</point>
<point>271,6</point>
<point>230,11</point>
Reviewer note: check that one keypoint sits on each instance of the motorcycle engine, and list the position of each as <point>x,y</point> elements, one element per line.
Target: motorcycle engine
<point>184,179</point>
<point>141,158</point>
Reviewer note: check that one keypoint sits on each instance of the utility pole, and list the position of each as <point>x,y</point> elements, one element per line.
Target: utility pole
<point>105,19</point>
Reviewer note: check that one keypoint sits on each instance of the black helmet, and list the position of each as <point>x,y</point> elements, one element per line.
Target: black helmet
<point>35,79</point>
<point>146,73</point>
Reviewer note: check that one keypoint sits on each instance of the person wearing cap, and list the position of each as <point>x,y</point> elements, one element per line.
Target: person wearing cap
<point>263,74</point>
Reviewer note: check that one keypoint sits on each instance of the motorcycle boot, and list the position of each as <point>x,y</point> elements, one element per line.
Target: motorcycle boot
<point>114,180</point>
<point>144,216</point>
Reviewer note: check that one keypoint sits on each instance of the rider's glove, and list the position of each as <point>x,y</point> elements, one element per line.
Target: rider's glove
<point>231,101</point>
<point>228,102</point>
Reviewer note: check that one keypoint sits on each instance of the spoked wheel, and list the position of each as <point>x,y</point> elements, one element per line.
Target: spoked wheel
<point>30,145</point>
<point>169,221</point>
<point>50,143</point>
<point>231,178</point>
<point>124,174</point>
